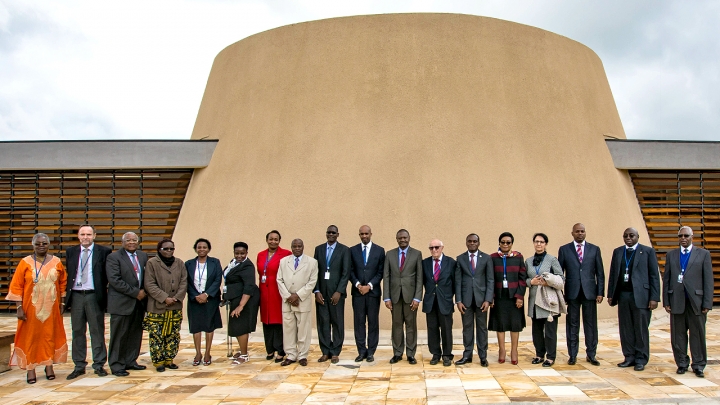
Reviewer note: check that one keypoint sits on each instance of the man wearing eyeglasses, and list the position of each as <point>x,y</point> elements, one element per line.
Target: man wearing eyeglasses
<point>634,286</point>
<point>330,292</point>
<point>402,288</point>
<point>439,276</point>
<point>688,296</point>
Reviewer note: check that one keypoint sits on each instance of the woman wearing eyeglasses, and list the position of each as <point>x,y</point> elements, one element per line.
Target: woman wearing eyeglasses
<point>166,286</point>
<point>544,323</point>
<point>506,314</point>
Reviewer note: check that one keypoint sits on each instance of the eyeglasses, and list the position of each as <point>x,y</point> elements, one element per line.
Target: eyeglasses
<point>684,235</point>
<point>505,243</point>
<point>331,232</point>
<point>41,244</point>
<point>435,247</point>
<point>628,235</point>
<point>167,249</point>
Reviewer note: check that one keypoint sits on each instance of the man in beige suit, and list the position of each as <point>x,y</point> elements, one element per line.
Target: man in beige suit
<point>402,291</point>
<point>296,279</point>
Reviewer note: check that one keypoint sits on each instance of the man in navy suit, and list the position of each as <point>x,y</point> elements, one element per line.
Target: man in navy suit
<point>438,304</point>
<point>584,289</point>
<point>634,286</point>
<point>367,262</point>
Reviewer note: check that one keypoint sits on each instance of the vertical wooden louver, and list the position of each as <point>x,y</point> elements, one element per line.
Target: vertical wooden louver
<point>669,199</point>
<point>56,203</point>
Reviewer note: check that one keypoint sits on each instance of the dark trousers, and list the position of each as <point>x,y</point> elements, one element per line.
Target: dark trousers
<point>544,335</point>
<point>126,338</point>
<point>85,312</point>
<point>404,328</point>
<point>634,324</point>
<point>589,320</point>
<point>680,325</point>
<point>474,323</point>
<point>273,335</point>
<point>331,326</point>
<point>439,330</point>
<point>366,309</point>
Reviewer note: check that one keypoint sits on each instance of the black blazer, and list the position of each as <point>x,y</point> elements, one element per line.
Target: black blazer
<point>339,270</point>
<point>697,282</point>
<point>590,274</point>
<point>481,285</point>
<point>123,285</point>
<point>214,278</point>
<point>645,275</point>
<point>370,273</point>
<point>100,282</point>
<point>241,280</point>
<point>440,293</point>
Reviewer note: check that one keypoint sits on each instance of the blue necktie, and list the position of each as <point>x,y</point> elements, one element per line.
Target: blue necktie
<point>329,255</point>
<point>365,255</point>
<point>297,260</point>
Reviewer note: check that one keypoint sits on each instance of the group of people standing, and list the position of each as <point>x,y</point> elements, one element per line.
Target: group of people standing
<point>142,293</point>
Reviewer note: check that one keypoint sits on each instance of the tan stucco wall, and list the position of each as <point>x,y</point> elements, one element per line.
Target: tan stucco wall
<point>439,123</point>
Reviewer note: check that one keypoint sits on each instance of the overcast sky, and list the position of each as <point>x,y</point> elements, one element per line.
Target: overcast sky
<point>137,69</point>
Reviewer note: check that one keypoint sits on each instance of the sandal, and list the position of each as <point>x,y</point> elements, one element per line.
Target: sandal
<point>31,380</point>
<point>207,362</point>
<point>269,356</point>
<point>48,376</point>
<point>537,360</point>
<point>243,358</point>
<point>548,363</point>
<point>197,360</point>
<point>279,359</point>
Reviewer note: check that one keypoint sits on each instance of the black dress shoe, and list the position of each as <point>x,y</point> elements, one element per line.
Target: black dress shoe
<point>464,360</point>
<point>75,374</point>
<point>412,360</point>
<point>592,360</point>
<point>136,367</point>
<point>173,366</point>
<point>699,373</point>
<point>572,361</point>
<point>681,370</point>
<point>483,362</point>
<point>639,367</point>
<point>536,360</point>
<point>160,369</point>
<point>395,359</point>
<point>101,372</point>
<point>359,358</point>
<point>370,358</point>
<point>435,360</point>
<point>626,363</point>
<point>548,363</point>
<point>446,361</point>
<point>121,373</point>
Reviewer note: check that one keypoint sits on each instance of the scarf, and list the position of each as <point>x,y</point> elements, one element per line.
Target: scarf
<point>167,260</point>
<point>538,258</point>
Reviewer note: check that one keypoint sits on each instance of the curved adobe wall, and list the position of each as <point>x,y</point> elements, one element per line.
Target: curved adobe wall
<point>439,123</point>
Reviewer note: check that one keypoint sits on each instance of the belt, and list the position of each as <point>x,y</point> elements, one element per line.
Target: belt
<point>84,291</point>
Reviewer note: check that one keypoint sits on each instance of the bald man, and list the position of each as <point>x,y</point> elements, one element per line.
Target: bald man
<point>634,287</point>
<point>438,303</point>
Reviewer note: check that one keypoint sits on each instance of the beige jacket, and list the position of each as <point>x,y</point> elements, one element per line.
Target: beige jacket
<point>300,281</point>
<point>550,297</point>
<point>162,282</point>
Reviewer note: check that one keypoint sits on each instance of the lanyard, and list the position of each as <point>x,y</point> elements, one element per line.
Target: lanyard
<point>200,270</point>
<point>628,261</point>
<point>82,266</point>
<point>267,260</point>
<point>537,268</point>
<point>684,263</point>
<point>37,271</point>
<point>505,267</point>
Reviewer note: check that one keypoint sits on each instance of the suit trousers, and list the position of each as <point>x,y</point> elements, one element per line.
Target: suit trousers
<point>126,338</point>
<point>634,324</point>
<point>85,311</point>
<point>544,335</point>
<point>589,320</point>
<point>404,328</point>
<point>330,326</point>
<point>474,323</point>
<point>297,334</point>
<point>273,335</point>
<point>439,330</point>
<point>366,309</point>
<point>680,325</point>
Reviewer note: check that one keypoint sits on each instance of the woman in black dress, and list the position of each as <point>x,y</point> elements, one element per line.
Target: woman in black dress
<point>204,278</point>
<point>506,313</point>
<point>243,294</point>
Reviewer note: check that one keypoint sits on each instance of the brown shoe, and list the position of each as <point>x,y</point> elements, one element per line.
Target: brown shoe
<point>334,360</point>
<point>323,358</point>
<point>303,362</point>
<point>287,362</point>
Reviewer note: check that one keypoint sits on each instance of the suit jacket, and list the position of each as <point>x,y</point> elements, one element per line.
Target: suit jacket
<point>300,281</point>
<point>480,285</point>
<point>100,282</point>
<point>339,270</point>
<point>370,273</point>
<point>240,280</point>
<point>697,282</point>
<point>123,285</point>
<point>645,275</point>
<point>409,281</point>
<point>439,293</point>
<point>214,278</point>
<point>590,273</point>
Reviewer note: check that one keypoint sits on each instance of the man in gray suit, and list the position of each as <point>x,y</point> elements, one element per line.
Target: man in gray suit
<point>127,302</point>
<point>634,286</point>
<point>474,289</point>
<point>688,296</point>
<point>402,289</point>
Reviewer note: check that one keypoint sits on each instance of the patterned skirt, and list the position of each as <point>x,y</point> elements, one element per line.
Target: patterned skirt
<point>163,336</point>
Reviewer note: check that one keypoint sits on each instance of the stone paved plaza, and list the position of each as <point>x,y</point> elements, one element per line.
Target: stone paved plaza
<point>265,382</point>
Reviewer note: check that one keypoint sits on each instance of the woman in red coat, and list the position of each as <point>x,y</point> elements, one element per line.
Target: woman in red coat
<point>268,262</point>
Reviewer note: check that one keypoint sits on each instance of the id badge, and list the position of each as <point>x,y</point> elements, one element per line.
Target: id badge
<point>626,278</point>
<point>327,275</point>
<point>680,278</point>
<point>263,279</point>
<point>505,283</point>
<point>224,289</point>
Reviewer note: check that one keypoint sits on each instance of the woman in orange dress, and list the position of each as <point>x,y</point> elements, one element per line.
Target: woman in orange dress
<point>38,286</point>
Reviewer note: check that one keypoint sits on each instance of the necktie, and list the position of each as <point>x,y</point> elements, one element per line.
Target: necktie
<point>136,265</point>
<point>402,261</point>
<point>579,252</point>
<point>329,255</point>
<point>84,266</point>
<point>630,250</point>
<point>472,262</point>
<point>364,254</point>
<point>436,272</point>
<point>685,251</point>
<point>297,260</point>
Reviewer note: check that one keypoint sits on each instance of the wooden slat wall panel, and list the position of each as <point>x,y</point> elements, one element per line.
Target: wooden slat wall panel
<point>147,202</point>
<point>674,198</point>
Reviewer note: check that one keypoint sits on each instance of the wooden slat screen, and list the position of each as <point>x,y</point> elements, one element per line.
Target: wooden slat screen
<point>670,199</point>
<point>146,202</point>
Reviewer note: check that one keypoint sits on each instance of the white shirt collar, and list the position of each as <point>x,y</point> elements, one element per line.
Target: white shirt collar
<point>581,244</point>
<point>91,247</point>
<point>439,258</point>
<point>477,253</point>
<point>689,248</point>
<point>368,246</point>
<point>634,247</point>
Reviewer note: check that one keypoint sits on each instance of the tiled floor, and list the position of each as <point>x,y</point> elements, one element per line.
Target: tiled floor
<point>265,382</point>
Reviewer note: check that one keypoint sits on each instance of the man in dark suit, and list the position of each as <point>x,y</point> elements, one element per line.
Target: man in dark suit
<point>688,296</point>
<point>367,260</point>
<point>438,304</point>
<point>127,302</point>
<point>402,288</point>
<point>474,290</point>
<point>584,289</point>
<point>634,286</point>
<point>330,292</point>
<point>86,297</point>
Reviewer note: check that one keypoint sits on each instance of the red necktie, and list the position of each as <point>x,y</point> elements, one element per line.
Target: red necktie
<point>402,261</point>
<point>579,252</point>
<point>472,262</point>
<point>436,272</point>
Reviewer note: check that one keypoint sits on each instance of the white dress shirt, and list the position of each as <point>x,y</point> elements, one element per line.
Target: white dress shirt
<point>89,285</point>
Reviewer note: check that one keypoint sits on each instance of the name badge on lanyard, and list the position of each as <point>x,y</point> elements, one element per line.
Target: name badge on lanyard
<point>327,275</point>
<point>263,279</point>
<point>680,278</point>
<point>505,283</point>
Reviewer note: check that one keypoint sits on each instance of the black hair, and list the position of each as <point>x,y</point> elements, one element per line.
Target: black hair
<point>542,235</point>
<point>272,232</point>
<point>504,234</point>
<point>159,245</point>
<point>202,240</point>
<point>402,230</point>
<point>241,244</point>
<point>473,234</point>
